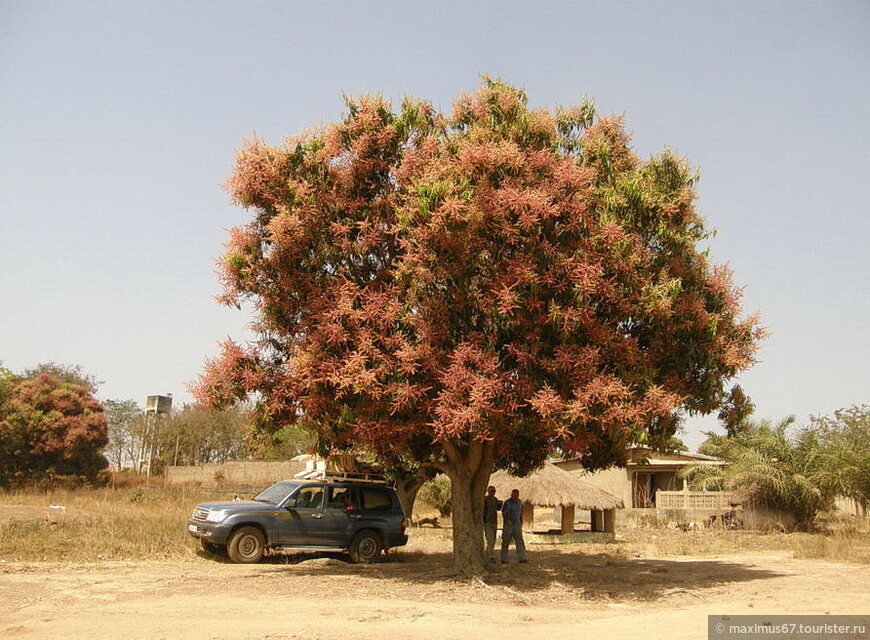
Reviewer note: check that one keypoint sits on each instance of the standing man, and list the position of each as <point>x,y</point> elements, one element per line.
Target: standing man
<point>491,506</point>
<point>512,527</point>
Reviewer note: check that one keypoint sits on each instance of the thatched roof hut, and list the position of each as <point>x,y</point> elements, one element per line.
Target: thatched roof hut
<point>554,487</point>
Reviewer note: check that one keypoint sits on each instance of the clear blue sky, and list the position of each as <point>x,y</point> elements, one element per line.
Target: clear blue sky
<point>119,121</point>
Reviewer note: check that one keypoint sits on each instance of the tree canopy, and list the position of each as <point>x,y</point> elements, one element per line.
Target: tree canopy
<point>476,289</point>
<point>49,427</point>
<point>845,437</point>
<point>71,373</point>
<point>125,420</point>
<point>199,435</point>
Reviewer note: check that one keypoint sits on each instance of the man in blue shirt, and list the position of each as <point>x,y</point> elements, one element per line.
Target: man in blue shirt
<point>512,527</point>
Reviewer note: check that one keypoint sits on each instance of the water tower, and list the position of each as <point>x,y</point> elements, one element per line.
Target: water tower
<point>156,409</point>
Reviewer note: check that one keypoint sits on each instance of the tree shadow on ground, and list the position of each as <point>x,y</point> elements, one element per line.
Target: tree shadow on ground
<point>598,576</point>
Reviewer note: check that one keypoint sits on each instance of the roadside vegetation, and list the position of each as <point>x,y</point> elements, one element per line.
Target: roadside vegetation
<point>94,524</point>
<point>147,522</point>
<point>800,470</point>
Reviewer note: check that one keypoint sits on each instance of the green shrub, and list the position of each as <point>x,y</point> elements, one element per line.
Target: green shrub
<point>437,493</point>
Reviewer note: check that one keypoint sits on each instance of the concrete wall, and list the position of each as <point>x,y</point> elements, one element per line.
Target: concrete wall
<point>764,518</point>
<point>234,474</point>
<point>751,518</point>
<point>849,507</point>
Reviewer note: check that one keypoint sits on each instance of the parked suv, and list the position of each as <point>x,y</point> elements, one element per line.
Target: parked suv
<point>360,518</point>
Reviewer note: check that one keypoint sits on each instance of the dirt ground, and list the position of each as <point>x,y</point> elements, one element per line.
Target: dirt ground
<point>567,591</point>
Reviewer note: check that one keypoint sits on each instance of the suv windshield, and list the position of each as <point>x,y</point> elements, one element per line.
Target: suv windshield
<point>276,493</point>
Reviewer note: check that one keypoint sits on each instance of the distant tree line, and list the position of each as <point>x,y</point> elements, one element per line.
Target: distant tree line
<point>194,435</point>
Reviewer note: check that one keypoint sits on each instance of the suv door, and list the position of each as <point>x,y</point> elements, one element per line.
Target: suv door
<point>305,523</point>
<point>341,516</point>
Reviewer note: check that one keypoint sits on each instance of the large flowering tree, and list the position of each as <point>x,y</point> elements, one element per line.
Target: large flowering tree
<point>475,290</point>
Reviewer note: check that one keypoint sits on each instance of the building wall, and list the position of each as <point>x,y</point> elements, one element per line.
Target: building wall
<point>234,474</point>
<point>646,473</point>
<point>849,507</point>
<point>757,517</point>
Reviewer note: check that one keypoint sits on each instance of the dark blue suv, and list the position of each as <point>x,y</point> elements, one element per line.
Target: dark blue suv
<point>359,518</point>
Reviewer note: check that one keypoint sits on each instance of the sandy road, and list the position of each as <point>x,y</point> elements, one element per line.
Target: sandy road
<point>327,599</point>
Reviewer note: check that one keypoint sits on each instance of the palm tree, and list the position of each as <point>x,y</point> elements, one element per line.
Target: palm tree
<point>773,466</point>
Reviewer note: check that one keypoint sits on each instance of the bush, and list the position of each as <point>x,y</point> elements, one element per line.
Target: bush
<point>437,493</point>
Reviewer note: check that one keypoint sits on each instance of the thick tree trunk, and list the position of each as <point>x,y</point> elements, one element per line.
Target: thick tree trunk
<point>407,490</point>
<point>469,468</point>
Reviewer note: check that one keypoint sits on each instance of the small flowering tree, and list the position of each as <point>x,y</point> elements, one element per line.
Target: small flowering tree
<point>49,426</point>
<point>475,290</point>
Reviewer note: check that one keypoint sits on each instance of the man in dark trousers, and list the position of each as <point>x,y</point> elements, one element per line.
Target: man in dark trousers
<point>512,527</point>
<point>491,506</point>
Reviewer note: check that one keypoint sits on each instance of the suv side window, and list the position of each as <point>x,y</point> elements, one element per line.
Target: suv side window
<point>375,499</point>
<point>343,498</point>
<point>309,498</point>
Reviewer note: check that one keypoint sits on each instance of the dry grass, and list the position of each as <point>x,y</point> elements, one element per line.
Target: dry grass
<point>145,522</point>
<point>97,524</point>
<point>837,546</point>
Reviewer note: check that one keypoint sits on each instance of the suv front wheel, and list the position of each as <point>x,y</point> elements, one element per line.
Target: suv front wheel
<point>210,547</point>
<point>246,545</point>
<point>366,547</point>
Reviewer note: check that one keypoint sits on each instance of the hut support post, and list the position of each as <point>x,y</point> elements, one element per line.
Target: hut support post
<point>567,518</point>
<point>597,520</point>
<point>528,516</point>
<point>610,520</point>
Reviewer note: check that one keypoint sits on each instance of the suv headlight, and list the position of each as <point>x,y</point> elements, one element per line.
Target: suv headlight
<point>216,515</point>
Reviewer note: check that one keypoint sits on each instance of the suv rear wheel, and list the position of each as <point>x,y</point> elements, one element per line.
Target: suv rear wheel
<point>246,545</point>
<point>366,547</point>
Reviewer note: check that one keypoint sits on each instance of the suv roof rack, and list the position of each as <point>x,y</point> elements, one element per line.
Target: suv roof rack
<point>342,476</point>
<point>340,468</point>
